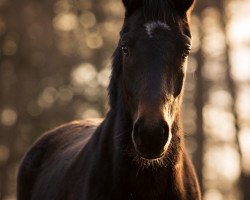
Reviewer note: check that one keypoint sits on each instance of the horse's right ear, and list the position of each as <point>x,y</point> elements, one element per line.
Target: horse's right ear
<point>183,5</point>
<point>131,5</point>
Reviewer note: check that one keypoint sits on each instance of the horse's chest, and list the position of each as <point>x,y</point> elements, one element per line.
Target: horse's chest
<point>140,189</point>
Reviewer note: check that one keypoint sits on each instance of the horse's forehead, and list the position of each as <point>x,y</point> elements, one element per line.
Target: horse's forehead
<point>152,26</point>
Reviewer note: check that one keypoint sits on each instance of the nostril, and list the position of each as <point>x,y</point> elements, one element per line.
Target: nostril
<point>136,132</point>
<point>164,130</point>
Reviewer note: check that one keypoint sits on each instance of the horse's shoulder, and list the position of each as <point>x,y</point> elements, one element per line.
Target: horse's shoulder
<point>58,137</point>
<point>74,127</point>
<point>62,140</point>
<point>67,132</point>
<point>64,134</point>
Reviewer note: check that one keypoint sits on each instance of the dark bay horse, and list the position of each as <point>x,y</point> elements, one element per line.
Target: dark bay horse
<point>137,152</point>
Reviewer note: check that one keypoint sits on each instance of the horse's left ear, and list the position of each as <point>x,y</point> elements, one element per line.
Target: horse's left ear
<point>183,5</point>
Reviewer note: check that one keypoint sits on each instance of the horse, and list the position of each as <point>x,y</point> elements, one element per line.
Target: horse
<point>137,151</point>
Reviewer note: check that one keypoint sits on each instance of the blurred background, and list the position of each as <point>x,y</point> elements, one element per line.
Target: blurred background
<point>55,67</point>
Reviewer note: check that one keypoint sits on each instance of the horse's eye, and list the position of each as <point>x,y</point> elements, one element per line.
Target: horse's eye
<point>186,51</point>
<point>125,50</point>
<point>185,54</point>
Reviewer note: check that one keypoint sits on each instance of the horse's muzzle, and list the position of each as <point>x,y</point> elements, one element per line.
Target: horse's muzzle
<point>150,140</point>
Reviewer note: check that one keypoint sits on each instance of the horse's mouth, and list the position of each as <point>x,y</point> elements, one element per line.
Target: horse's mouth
<point>150,160</point>
<point>150,156</point>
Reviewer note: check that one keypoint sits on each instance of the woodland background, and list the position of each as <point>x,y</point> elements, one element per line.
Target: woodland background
<point>55,66</point>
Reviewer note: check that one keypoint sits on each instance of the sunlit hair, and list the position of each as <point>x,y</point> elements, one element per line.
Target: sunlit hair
<point>157,10</point>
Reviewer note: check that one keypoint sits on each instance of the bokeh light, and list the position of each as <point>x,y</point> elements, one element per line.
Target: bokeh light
<point>8,117</point>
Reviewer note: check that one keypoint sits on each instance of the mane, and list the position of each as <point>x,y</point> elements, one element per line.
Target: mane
<point>162,10</point>
<point>113,91</point>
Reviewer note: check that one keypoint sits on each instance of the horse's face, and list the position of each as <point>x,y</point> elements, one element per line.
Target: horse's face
<point>154,56</point>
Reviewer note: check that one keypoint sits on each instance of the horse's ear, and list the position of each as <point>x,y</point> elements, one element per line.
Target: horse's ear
<point>131,5</point>
<point>126,4</point>
<point>183,5</point>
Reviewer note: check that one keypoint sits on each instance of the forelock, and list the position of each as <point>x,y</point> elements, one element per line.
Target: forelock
<point>153,25</point>
<point>154,10</point>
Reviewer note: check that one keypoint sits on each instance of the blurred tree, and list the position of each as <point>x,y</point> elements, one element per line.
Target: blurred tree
<point>199,102</point>
<point>244,179</point>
